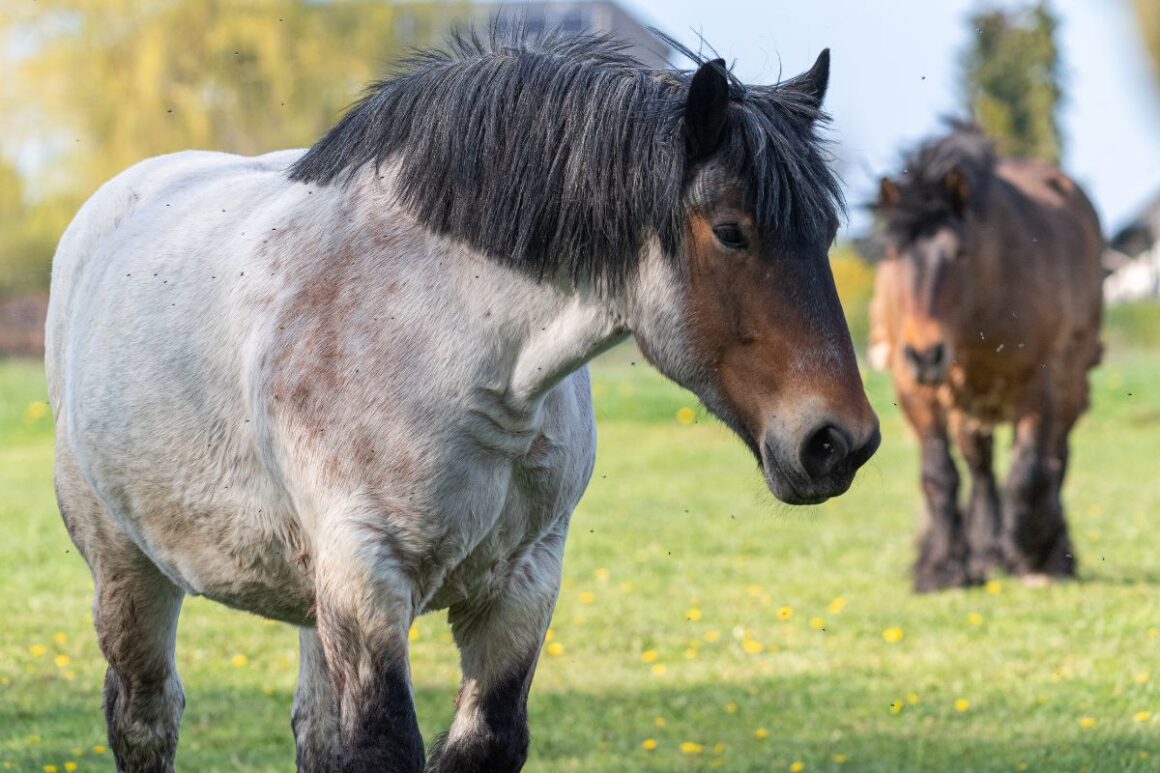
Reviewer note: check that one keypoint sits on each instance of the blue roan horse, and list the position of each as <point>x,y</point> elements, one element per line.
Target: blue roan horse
<point>344,387</point>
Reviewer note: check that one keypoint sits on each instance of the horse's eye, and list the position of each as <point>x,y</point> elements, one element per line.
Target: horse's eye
<point>730,236</point>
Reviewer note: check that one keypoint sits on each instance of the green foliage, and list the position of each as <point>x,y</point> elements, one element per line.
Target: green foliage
<point>676,519</point>
<point>1148,14</point>
<point>1013,81</point>
<point>93,86</point>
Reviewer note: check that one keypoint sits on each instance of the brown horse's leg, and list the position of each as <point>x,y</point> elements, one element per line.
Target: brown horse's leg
<point>314,717</point>
<point>499,643</point>
<point>1035,533</point>
<point>983,518</point>
<point>942,552</point>
<point>364,611</point>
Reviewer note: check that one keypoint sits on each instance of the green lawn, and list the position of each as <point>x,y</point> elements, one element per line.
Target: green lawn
<point>695,610</point>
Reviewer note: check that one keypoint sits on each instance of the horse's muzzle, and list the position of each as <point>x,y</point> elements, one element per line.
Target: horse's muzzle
<point>824,466</point>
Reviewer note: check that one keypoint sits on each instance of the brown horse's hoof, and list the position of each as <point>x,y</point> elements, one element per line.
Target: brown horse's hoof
<point>944,576</point>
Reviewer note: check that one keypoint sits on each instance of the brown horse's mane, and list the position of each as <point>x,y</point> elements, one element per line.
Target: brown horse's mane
<point>923,199</point>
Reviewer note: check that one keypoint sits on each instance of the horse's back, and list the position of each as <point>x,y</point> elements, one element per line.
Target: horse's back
<point>88,245</point>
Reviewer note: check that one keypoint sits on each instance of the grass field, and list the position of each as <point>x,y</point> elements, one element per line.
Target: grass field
<point>698,617</point>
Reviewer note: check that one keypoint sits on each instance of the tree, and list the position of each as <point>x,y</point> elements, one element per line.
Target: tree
<point>92,86</point>
<point>1013,82</point>
<point>1148,13</point>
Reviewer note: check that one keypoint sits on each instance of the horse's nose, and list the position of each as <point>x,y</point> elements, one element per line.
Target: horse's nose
<point>830,453</point>
<point>928,365</point>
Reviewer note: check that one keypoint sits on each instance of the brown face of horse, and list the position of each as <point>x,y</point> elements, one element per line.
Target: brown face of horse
<point>934,281</point>
<point>773,355</point>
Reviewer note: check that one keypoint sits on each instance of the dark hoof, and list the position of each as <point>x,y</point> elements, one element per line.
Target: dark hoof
<point>929,578</point>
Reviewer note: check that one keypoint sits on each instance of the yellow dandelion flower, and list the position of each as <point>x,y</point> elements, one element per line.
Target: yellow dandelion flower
<point>817,623</point>
<point>688,747</point>
<point>35,412</point>
<point>730,708</point>
<point>413,634</point>
<point>626,587</point>
<point>719,747</point>
<point>1087,723</point>
<point>648,744</point>
<point>685,415</point>
<point>892,635</point>
<point>62,661</point>
<point>784,613</point>
<point>1142,716</point>
<point>711,636</point>
<point>660,722</point>
<point>658,669</point>
<point>896,707</point>
<point>555,649</point>
<point>70,766</point>
<point>60,639</point>
<point>962,704</point>
<point>239,660</point>
<point>33,740</point>
<point>98,749</point>
<point>752,646</point>
<point>839,758</point>
<point>836,606</point>
<point>37,650</point>
<point>601,573</point>
<point>797,766</point>
<point>50,769</point>
<point>693,614</point>
<point>549,635</point>
<point>974,618</point>
<point>586,597</point>
<point>993,587</point>
<point>912,699</point>
<point>648,656</point>
<point>1141,678</point>
<point>761,734</point>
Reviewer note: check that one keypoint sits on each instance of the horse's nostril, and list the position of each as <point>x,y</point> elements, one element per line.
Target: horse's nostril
<point>824,450</point>
<point>935,355</point>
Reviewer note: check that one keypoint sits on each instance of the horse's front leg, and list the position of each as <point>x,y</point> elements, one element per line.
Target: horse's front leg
<point>364,611</point>
<point>499,642</point>
<point>1034,530</point>
<point>942,550</point>
<point>983,519</point>
<point>314,717</point>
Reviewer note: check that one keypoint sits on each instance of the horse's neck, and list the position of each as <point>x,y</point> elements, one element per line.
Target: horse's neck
<point>532,333</point>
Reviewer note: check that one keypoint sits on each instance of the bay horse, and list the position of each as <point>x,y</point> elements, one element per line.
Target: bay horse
<point>986,310</point>
<point>343,387</point>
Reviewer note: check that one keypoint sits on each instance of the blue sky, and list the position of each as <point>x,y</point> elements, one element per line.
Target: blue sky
<point>895,71</point>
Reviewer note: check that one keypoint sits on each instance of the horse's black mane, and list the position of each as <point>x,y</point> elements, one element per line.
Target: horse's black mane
<point>564,153</point>
<point>923,197</point>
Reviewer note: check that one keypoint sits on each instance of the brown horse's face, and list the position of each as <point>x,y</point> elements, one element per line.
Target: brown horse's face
<point>756,330</point>
<point>934,280</point>
<point>769,325</point>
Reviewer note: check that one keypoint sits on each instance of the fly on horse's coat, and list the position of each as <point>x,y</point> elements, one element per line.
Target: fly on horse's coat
<point>344,387</point>
<point>987,310</point>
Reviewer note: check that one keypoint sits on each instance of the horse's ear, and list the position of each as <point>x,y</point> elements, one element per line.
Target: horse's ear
<point>888,194</point>
<point>813,83</point>
<point>958,189</point>
<point>705,108</point>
